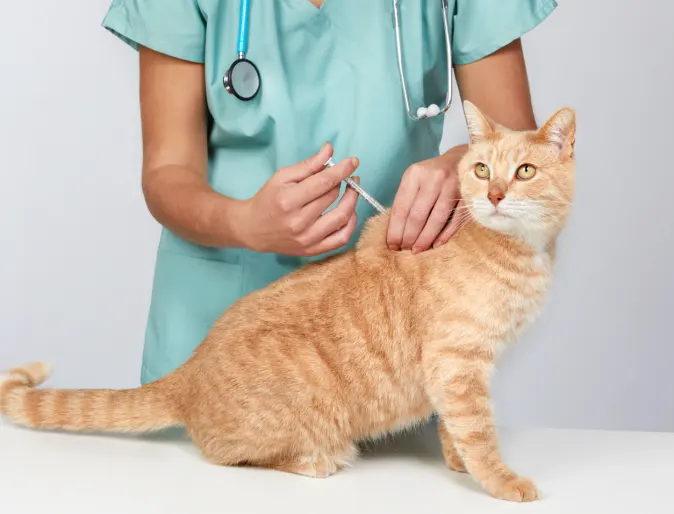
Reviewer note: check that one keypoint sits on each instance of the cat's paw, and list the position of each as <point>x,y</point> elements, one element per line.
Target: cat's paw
<point>515,489</point>
<point>455,463</point>
<point>452,457</point>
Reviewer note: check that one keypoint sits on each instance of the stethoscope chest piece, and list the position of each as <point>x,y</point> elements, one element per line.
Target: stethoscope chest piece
<point>242,79</point>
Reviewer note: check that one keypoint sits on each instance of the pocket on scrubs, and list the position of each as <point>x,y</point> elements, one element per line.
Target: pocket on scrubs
<point>189,293</point>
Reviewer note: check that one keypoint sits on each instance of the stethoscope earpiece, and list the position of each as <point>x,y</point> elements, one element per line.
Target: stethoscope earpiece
<point>428,112</point>
<point>433,110</point>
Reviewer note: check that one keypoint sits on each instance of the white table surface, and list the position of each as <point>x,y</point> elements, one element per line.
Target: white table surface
<point>577,471</point>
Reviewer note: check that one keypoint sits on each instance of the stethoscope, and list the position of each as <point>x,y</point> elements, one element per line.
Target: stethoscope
<point>432,110</point>
<point>242,79</point>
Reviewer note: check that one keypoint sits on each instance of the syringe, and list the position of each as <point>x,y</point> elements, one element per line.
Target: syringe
<point>352,183</point>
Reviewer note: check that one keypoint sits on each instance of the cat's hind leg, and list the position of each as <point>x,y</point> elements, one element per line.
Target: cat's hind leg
<point>316,463</point>
<point>319,464</point>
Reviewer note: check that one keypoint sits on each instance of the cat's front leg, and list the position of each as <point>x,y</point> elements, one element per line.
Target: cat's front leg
<point>452,457</point>
<point>459,388</point>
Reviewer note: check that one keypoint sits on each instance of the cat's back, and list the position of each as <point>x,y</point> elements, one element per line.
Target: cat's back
<point>336,332</point>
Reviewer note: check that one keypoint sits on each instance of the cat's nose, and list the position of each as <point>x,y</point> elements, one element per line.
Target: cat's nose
<point>495,195</point>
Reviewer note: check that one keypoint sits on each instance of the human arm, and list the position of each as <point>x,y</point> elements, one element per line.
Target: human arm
<point>285,216</point>
<point>499,85</point>
<point>174,179</point>
<point>429,191</point>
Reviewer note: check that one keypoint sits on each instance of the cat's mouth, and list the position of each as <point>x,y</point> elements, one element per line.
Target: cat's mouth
<point>498,215</point>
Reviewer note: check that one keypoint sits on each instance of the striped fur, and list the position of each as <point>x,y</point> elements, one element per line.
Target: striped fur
<point>363,344</point>
<point>135,410</point>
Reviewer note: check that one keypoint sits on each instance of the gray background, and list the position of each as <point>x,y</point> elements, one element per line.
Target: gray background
<point>78,244</point>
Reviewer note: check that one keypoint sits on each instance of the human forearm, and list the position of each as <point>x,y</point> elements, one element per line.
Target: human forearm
<point>175,156</point>
<point>499,86</point>
<point>186,205</point>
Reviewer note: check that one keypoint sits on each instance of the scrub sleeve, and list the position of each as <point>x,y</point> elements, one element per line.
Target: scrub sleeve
<point>348,48</point>
<point>481,27</point>
<point>172,27</point>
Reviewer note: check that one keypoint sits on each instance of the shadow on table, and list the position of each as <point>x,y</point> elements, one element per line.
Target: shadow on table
<point>421,443</point>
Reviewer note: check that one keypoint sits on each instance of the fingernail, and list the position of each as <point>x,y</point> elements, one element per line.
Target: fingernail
<point>354,162</point>
<point>415,250</point>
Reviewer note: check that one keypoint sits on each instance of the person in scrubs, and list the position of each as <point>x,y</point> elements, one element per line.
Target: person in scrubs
<point>240,186</point>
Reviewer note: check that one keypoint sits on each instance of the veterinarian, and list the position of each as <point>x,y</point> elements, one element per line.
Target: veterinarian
<point>233,152</point>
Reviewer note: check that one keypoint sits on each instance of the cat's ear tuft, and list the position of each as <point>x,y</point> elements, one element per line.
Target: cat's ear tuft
<point>560,131</point>
<point>480,127</point>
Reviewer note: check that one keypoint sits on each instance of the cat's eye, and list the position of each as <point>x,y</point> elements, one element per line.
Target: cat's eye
<point>526,172</point>
<point>481,171</point>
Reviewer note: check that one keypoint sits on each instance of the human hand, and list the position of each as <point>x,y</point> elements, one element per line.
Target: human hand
<point>428,193</point>
<point>287,215</point>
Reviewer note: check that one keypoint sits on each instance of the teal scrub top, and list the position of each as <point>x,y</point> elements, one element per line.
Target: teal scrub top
<point>328,74</point>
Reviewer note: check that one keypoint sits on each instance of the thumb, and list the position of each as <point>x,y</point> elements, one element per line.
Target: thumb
<point>313,164</point>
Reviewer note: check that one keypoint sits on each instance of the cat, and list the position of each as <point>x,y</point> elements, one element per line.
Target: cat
<point>367,342</point>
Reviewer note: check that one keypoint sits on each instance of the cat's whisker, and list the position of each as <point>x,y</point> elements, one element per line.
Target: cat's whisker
<point>552,201</point>
<point>464,212</point>
<point>463,222</point>
<point>459,216</point>
<point>462,219</point>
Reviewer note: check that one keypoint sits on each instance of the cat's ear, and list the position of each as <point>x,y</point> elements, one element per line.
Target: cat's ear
<point>560,131</point>
<point>480,127</point>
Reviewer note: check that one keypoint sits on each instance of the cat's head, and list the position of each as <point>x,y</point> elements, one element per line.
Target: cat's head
<point>519,183</point>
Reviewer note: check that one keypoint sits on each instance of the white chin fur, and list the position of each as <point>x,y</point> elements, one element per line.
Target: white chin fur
<point>513,217</point>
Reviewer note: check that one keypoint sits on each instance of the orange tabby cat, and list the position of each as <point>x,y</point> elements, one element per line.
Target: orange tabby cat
<point>292,376</point>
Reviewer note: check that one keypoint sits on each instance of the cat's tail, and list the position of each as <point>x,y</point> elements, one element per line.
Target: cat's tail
<point>145,409</point>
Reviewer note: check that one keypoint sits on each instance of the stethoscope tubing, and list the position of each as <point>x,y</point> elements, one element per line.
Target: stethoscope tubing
<point>244,16</point>
<point>401,67</point>
<point>421,113</point>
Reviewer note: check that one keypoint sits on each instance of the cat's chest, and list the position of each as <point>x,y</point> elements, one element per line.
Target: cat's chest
<point>500,300</point>
<point>520,300</point>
